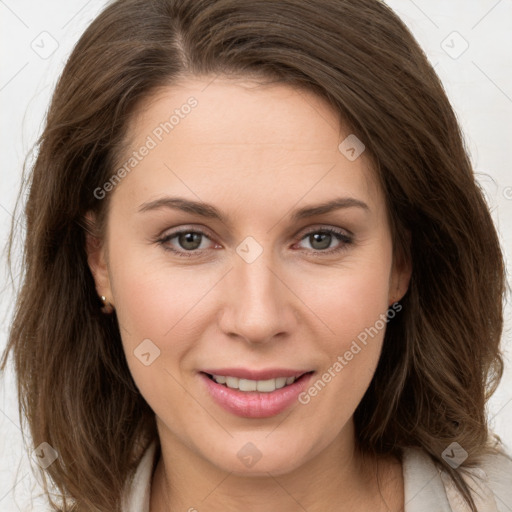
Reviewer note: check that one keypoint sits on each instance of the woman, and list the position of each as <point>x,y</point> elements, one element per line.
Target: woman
<point>259,273</point>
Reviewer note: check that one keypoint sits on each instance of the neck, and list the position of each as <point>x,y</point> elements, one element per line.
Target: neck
<point>338,478</point>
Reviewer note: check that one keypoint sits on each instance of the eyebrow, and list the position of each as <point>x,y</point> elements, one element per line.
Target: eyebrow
<point>209,211</point>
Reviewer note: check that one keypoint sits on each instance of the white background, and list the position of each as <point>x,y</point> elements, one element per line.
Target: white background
<point>478,83</point>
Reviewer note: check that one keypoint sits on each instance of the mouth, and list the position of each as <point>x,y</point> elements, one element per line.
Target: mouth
<point>255,397</point>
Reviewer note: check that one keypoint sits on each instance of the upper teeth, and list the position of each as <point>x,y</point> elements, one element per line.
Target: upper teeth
<point>265,386</point>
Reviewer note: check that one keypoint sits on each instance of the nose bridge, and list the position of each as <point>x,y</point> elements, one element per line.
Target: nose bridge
<point>259,307</point>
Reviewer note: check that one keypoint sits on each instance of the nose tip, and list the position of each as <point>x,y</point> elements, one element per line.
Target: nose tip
<point>258,308</point>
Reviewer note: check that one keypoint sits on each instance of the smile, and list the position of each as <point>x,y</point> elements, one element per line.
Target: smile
<point>255,397</point>
<point>264,386</point>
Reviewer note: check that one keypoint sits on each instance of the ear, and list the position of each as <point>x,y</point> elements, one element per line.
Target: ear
<point>401,272</point>
<point>97,258</point>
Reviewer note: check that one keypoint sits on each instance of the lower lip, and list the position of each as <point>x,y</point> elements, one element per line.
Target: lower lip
<point>255,404</point>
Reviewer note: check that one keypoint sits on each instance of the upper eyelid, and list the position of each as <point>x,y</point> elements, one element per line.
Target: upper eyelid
<point>191,228</point>
<point>172,232</point>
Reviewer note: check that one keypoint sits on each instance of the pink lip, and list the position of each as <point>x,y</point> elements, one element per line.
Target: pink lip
<point>244,373</point>
<point>255,404</point>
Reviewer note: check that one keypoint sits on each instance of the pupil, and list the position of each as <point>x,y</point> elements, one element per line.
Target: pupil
<point>190,240</point>
<point>318,237</point>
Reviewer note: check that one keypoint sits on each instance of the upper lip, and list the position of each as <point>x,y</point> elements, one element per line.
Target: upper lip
<point>264,374</point>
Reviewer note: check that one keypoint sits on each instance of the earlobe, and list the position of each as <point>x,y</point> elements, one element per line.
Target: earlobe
<point>97,261</point>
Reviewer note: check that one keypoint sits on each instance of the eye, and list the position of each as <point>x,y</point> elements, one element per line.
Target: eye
<point>320,240</point>
<point>188,241</point>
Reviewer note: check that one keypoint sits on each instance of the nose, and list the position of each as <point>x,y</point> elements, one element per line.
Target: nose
<point>258,305</point>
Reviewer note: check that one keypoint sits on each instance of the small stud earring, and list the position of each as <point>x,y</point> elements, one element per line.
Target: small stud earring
<point>107,308</point>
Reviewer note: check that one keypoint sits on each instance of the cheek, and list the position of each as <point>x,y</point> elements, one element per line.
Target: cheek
<point>160,303</point>
<point>350,299</point>
<point>153,296</point>
<point>352,304</point>
<point>155,307</point>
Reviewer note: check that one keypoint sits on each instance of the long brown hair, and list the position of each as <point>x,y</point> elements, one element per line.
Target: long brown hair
<point>440,360</point>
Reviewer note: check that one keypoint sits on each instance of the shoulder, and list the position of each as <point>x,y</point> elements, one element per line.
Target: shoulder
<point>495,472</point>
<point>424,490</point>
<point>427,487</point>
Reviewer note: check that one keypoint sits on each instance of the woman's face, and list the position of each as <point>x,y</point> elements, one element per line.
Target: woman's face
<point>256,289</point>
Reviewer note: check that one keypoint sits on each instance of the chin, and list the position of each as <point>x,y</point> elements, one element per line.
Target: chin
<point>259,458</point>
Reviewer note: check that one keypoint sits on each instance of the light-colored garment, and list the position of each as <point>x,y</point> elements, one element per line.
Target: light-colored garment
<point>426,489</point>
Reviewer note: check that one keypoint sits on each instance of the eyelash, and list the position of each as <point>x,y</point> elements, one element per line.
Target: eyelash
<point>341,236</point>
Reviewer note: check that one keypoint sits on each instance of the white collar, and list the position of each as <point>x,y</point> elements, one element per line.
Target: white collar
<point>136,498</point>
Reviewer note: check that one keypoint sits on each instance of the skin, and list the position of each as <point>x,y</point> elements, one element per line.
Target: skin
<point>257,153</point>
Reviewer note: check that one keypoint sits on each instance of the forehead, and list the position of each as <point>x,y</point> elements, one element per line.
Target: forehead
<point>210,132</point>
<point>271,114</point>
